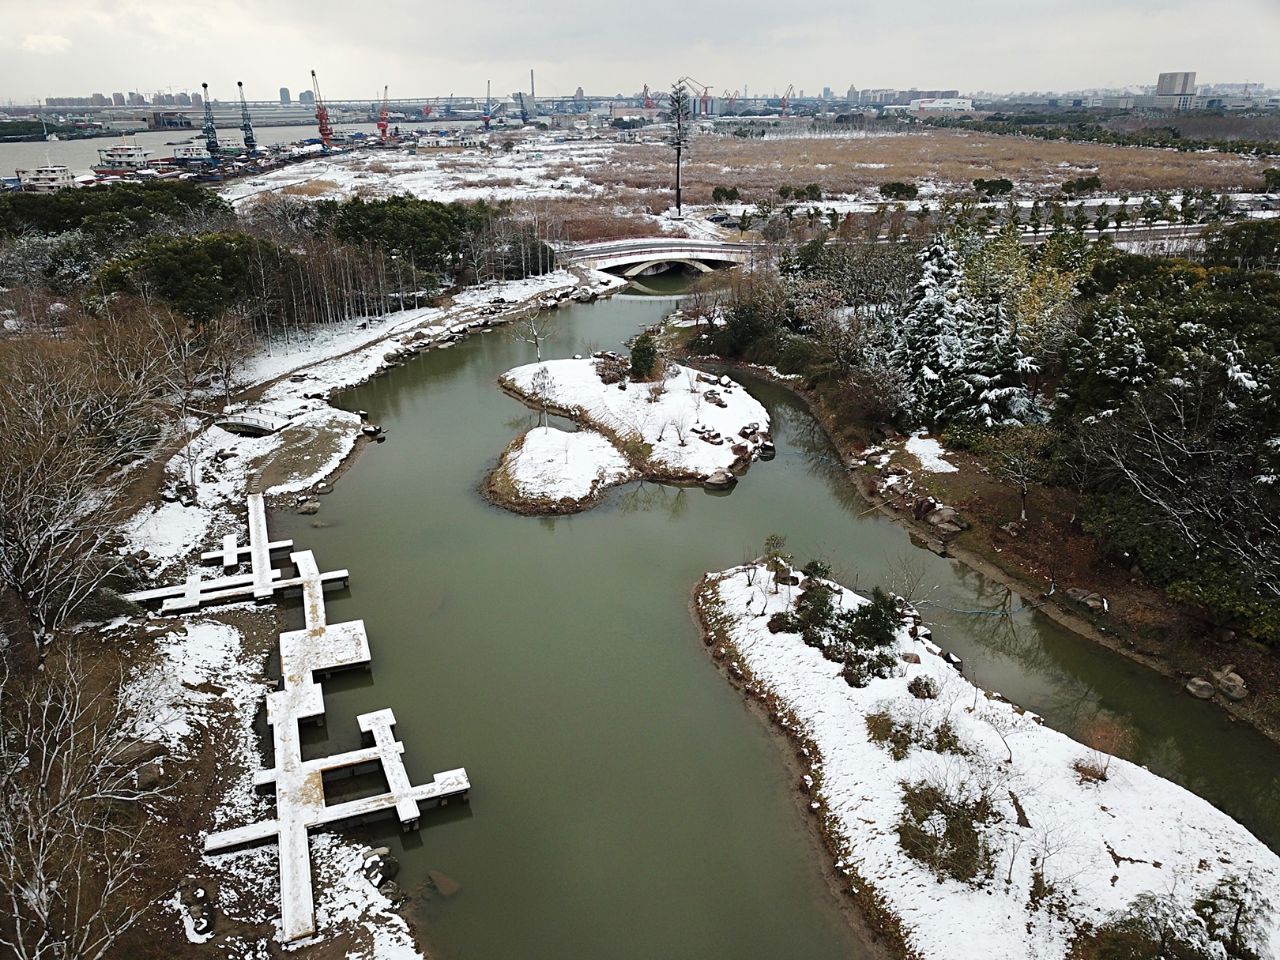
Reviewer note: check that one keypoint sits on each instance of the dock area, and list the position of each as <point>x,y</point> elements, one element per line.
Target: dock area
<point>318,649</point>
<point>261,583</point>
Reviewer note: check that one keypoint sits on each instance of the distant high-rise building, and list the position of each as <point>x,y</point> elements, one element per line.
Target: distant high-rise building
<point>852,95</point>
<point>826,93</point>
<point>306,98</point>
<point>117,99</point>
<point>197,100</point>
<point>98,100</point>
<point>1176,84</point>
<point>284,96</point>
<point>136,99</point>
<point>183,99</point>
<point>579,95</point>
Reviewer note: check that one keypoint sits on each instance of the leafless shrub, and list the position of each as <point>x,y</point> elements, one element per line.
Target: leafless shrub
<point>74,822</point>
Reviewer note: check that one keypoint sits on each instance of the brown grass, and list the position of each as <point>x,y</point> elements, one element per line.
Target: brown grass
<point>851,165</point>
<point>310,188</point>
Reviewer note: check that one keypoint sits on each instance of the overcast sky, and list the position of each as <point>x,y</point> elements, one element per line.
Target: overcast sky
<point>433,47</point>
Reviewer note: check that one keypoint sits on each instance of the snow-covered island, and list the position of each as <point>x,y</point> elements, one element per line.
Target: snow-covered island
<point>548,470</point>
<point>683,426</point>
<point>962,823</point>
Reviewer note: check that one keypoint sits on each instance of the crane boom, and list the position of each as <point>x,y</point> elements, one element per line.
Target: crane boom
<point>209,131</point>
<point>322,114</point>
<point>383,115</point>
<point>246,125</point>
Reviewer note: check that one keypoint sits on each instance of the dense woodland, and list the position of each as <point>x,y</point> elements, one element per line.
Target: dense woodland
<point>1150,385</point>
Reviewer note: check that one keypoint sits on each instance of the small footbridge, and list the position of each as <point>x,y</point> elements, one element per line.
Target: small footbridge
<point>643,255</point>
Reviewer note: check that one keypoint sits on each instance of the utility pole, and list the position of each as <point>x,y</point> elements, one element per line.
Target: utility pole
<point>679,132</point>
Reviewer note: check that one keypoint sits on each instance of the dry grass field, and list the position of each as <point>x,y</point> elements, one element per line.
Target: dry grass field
<point>857,165</point>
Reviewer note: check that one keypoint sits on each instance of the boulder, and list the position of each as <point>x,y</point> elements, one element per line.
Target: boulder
<point>909,657</point>
<point>379,866</point>
<point>445,884</point>
<point>940,515</point>
<point>149,776</point>
<point>309,507</point>
<point>720,480</point>
<point>1229,683</point>
<point>1200,688</point>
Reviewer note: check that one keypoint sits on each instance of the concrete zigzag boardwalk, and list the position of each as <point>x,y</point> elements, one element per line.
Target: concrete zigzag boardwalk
<point>317,649</point>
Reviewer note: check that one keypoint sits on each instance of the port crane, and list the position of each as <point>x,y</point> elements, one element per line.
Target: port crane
<point>209,131</point>
<point>383,116</point>
<point>246,125</point>
<point>704,94</point>
<point>322,114</point>
<point>648,98</point>
<point>785,100</point>
<point>730,98</point>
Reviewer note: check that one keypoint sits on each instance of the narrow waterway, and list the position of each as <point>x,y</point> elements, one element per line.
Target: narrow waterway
<point>626,804</point>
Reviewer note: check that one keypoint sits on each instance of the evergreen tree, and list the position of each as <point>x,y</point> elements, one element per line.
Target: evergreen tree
<point>989,389</point>
<point>933,332</point>
<point>1106,366</point>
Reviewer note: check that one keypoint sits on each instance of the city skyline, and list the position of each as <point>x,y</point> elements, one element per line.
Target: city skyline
<point>71,48</point>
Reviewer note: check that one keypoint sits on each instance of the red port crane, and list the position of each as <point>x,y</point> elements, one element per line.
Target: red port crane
<point>383,115</point>
<point>786,98</point>
<point>704,95</point>
<point>648,98</point>
<point>322,114</point>
<point>730,98</point>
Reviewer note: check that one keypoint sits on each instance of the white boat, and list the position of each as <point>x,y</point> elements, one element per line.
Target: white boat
<point>47,179</point>
<point>122,158</point>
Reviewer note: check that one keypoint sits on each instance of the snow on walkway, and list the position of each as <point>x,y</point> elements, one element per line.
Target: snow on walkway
<point>1097,845</point>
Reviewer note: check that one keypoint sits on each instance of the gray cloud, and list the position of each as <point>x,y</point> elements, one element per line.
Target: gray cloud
<point>68,47</point>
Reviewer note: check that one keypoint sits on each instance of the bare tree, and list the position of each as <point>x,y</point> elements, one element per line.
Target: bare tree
<point>533,329</point>
<point>65,427</point>
<point>74,822</point>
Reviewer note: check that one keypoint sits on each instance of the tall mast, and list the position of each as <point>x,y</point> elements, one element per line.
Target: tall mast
<point>322,114</point>
<point>246,125</point>
<point>209,130</point>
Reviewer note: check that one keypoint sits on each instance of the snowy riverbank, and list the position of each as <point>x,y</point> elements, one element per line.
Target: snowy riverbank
<point>1055,841</point>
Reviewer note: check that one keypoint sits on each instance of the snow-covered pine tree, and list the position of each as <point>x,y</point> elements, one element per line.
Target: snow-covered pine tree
<point>931,348</point>
<point>989,388</point>
<point>1107,366</point>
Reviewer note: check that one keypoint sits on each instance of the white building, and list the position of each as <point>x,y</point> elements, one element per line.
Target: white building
<point>941,105</point>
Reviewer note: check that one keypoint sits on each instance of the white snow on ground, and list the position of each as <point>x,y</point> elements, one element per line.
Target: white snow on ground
<point>930,454</point>
<point>551,464</point>
<point>658,419</point>
<point>196,665</point>
<point>540,168</point>
<point>1099,845</point>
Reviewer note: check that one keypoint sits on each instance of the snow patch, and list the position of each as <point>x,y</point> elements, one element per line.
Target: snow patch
<point>930,454</point>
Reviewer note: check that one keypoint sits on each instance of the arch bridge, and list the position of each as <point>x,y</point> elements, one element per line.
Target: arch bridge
<point>636,257</point>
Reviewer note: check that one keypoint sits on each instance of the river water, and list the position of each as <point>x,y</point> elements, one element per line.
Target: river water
<point>80,155</point>
<point>625,802</point>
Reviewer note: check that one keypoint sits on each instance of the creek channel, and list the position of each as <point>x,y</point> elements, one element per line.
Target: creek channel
<point>625,801</point>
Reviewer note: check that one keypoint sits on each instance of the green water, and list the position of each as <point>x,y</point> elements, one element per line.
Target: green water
<point>625,803</point>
